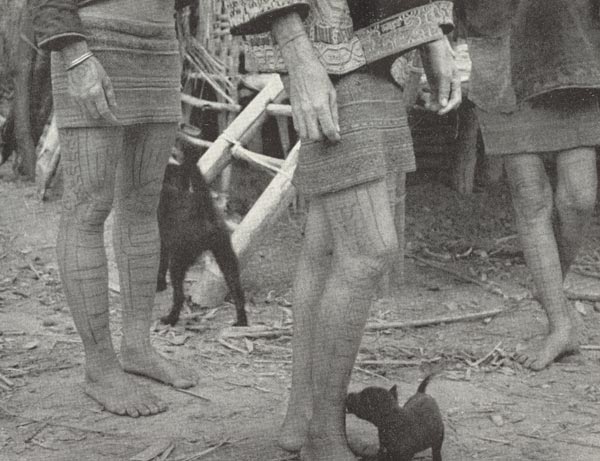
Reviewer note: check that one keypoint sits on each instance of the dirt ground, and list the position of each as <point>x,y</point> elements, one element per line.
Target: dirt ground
<point>493,409</point>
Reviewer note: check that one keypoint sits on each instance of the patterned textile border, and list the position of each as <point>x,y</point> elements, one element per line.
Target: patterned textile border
<point>391,36</point>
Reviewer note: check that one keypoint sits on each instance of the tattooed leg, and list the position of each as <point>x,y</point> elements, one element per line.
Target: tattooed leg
<point>137,247</point>
<point>89,156</point>
<point>533,204</point>
<point>575,199</point>
<point>364,244</point>
<point>312,272</point>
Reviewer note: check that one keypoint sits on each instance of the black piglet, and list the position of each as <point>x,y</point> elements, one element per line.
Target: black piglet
<point>189,225</point>
<point>403,431</point>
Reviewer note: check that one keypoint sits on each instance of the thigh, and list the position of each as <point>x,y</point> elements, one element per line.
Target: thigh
<point>146,151</point>
<point>88,162</point>
<point>361,220</point>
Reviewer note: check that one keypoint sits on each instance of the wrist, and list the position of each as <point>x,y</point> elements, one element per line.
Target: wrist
<point>73,51</point>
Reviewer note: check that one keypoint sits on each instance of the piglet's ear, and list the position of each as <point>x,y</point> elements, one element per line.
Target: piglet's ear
<point>394,392</point>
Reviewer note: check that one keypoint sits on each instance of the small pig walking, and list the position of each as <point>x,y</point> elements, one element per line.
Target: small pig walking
<point>403,431</point>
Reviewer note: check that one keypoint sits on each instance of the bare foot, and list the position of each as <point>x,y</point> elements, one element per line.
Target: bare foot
<point>556,345</point>
<point>326,448</point>
<point>149,363</point>
<point>116,392</point>
<point>294,429</point>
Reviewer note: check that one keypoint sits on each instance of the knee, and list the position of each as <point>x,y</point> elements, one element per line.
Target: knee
<point>368,267</point>
<point>579,200</point>
<point>141,203</point>
<point>532,197</point>
<point>89,213</point>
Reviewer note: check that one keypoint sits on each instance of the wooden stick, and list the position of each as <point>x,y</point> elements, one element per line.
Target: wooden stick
<point>243,127</point>
<point>193,394</point>
<point>213,105</point>
<point>486,286</point>
<point>251,333</point>
<point>590,347</point>
<point>6,381</point>
<point>211,288</point>
<point>278,110</point>
<point>582,296</point>
<point>224,343</point>
<point>397,363</point>
<point>486,356</point>
<point>197,142</point>
<point>433,321</point>
<point>207,451</point>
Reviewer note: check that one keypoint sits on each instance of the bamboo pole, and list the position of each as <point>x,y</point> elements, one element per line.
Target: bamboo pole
<point>276,110</point>
<point>48,158</point>
<point>211,289</point>
<point>241,129</point>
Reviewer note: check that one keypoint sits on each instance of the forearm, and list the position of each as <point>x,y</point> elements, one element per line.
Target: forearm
<point>295,46</point>
<point>56,23</point>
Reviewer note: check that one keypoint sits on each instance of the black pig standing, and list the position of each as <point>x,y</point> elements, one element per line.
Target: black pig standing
<point>189,225</point>
<point>403,431</point>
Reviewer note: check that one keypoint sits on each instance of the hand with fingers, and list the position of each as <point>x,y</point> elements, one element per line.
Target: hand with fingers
<point>442,75</point>
<point>89,85</point>
<point>312,95</point>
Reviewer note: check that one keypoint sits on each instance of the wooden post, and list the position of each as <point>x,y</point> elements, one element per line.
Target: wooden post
<point>211,289</point>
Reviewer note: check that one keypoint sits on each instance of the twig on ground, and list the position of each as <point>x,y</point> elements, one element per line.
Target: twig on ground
<point>397,363</point>
<point>276,332</point>
<point>372,373</point>
<point>433,321</point>
<point>4,387</point>
<point>465,278</point>
<point>590,347</point>
<point>573,296</point>
<point>485,357</point>
<point>38,274</point>
<point>167,453</point>
<point>489,439</point>
<point>30,437</point>
<point>193,394</point>
<point>40,444</point>
<point>581,443</point>
<point>224,343</point>
<point>207,451</point>
<point>66,426</point>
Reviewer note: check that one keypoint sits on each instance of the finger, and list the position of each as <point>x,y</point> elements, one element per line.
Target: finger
<point>334,110</point>
<point>299,123</point>
<point>325,119</point>
<point>444,87</point>
<point>104,110</point>
<point>312,124</point>
<point>455,96</point>
<point>109,92</point>
<point>91,109</point>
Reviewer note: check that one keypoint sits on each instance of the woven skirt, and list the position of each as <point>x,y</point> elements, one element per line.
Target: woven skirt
<point>142,60</point>
<point>556,121</point>
<point>375,138</point>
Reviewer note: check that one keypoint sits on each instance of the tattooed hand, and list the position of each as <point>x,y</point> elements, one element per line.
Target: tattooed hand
<point>89,85</point>
<point>442,75</point>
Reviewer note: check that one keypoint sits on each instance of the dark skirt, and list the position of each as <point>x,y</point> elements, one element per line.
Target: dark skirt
<point>557,121</point>
<point>375,139</point>
<point>142,60</point>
